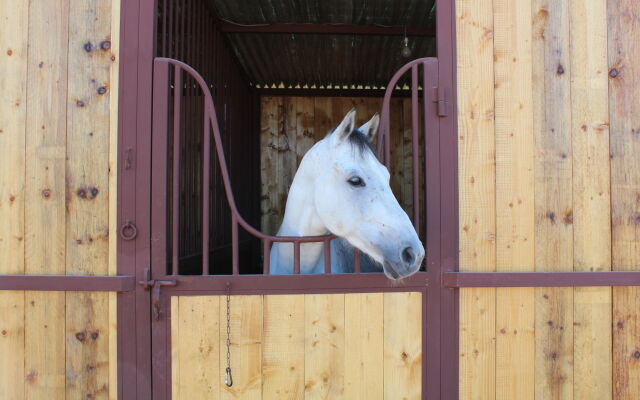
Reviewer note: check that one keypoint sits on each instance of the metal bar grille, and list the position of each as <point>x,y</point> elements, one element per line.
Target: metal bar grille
<point>201,101</point>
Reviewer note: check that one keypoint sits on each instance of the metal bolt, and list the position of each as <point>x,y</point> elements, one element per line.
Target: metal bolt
<point>106,45</point>
<point>613,73</point>
<point>88,47</point>
<point>102,90</point>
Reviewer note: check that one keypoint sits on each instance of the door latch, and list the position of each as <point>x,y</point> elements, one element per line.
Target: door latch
<point>154,285</point>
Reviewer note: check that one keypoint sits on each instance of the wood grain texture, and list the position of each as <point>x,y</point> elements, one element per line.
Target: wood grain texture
<point>553,197</point>
<point>44,363</point>
<point>402,161</point>
<point>195,347</point>
<point>364,346</point>
<point>515,232</point>
<point>324,346</point>
<point>87,345</point>
<point>323,118</point>
<point>305,129</point>
<point>624,109</point>
<point>12,337</point>
<point>246,347</point>
<point>476,185</point>
<point>352,346</point>
<point>554,343</point>
<point>45,192</point>
<point>285,154</point>
<point>477,343</point>
<point>592,368</point>
<point>402,346</point>
<point>114,83</point>
<point>13,73</point>
<point>283,347</point>
<point>87,197</point>
<point>397,116</point>
<point>271,113</point>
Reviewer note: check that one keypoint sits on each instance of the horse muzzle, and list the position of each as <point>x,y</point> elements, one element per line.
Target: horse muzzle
<point>404,262</point>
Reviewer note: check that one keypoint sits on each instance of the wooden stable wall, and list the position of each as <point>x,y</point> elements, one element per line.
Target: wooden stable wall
<point>58,113</point>
<point>549,150</point>
<point>290,125</point>
<point>364,346</point>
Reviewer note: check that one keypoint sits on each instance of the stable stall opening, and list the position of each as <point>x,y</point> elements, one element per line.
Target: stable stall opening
<point>280,76</point>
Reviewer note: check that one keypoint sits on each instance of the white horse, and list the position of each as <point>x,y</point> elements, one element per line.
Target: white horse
<point>342,188</point>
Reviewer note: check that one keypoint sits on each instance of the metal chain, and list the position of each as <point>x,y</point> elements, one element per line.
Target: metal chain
<point>228,380</point>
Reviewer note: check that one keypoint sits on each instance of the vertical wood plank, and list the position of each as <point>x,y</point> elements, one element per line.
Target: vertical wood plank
<point>397,128</point>
<point>624,109</point>
<point>271,110</point>
<point>305,135</point>
<point>364,346</point>
<point>402,159</point>
<point>515,232</point>
<point>476,176</point>
<point>286,154</point>
<point>87,345</point>
<point>13,74</point>
<point>46,138</point>
<point>13,113</point>
<point>114,84</point>
<point>45,229</point>
<point>246,347</point>
<point>340,107</point>
<point>323,120</point>
<point>402,346</point>
<point>515,343</point>
<point>324,346</point>
<point>477,343</point>
<point>553,197</point>
<point>87,198</point>
<point>175,346</point>
<point>283,347</point>
<point>195,347</point>
<point>44,362</point>
<point>12,338</point>
<point>592,368</point>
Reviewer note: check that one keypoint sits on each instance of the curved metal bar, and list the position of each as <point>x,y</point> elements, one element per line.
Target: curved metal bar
<point>211,121</point>
<point>383,148</point>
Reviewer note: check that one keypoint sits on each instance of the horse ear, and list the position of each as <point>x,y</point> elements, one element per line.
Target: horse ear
<point>370,128</point>
<point>345,128</point>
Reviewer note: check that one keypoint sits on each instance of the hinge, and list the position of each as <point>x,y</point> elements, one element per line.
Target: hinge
<point>155,286</point>
<point>440,98</point>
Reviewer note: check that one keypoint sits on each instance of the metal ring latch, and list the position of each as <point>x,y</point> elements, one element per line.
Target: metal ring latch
<point>128,231</point>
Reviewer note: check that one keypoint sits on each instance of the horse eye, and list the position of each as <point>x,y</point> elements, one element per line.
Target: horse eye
<point>356,181</point>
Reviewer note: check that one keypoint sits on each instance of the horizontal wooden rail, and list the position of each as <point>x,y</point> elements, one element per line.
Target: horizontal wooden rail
<point>120,283</point>
<point>540,279</point>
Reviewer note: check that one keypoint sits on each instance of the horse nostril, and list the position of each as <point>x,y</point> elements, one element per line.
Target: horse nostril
<point>408,256</point>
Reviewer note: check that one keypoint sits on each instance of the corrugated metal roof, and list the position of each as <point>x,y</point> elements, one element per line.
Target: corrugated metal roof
<point>323,59</point>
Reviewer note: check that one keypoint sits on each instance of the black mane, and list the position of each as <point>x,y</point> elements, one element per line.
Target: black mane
<point>358,140</point>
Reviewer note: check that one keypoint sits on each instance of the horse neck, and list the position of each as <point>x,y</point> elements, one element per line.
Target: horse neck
<point>300,216</point>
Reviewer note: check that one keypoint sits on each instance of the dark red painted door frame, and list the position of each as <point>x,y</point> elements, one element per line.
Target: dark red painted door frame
<point>137,42</point>
<point>134,191</point>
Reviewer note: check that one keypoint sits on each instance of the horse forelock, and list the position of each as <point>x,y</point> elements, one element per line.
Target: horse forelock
<point>358,141</point>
